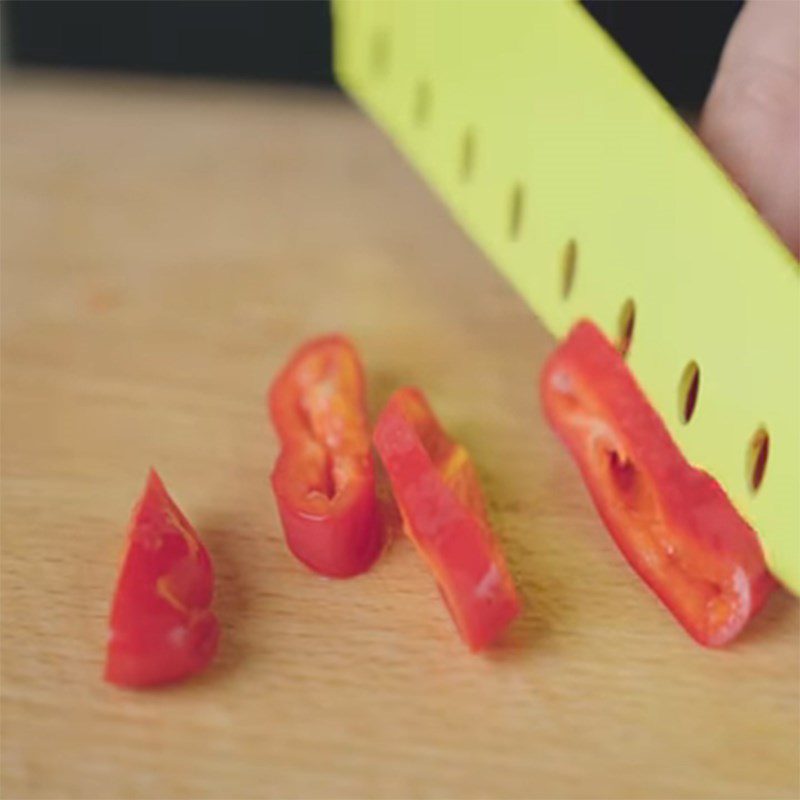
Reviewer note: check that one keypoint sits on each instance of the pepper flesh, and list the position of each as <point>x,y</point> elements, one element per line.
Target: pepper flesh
<point>437,490</point>
<point>161,626</point>
<point>673,522</point>
<point>324,478</point>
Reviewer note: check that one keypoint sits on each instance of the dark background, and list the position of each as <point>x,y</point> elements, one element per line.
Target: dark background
<point>676,44</point>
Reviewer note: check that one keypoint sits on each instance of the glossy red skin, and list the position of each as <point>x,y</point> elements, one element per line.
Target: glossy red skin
<point>324,478</point>
<point>161,627</point>
<point>673,522</point>
<point>437,490</point>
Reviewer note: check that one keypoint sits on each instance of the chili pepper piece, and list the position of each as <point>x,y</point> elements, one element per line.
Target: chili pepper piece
<point>161,627</point>
<point>324,478</point>
<point>673,522</point>
<point>437,491</point>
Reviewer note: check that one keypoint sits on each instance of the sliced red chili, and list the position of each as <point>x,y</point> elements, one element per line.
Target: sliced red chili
<point>324,479</point>
<point>437,490</point>
<point>161,626</point>
<point>673,522</point>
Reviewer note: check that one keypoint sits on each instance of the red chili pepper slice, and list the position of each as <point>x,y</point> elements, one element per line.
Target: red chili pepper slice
<point>439,496</point>
<point>324,478</point>
<point>161,626</point>
<point>673,522</point>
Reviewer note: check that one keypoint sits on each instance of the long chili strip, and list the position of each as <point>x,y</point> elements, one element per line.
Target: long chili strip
<point>437,490</point>
<point>324,479</point>
<point>673,522</point>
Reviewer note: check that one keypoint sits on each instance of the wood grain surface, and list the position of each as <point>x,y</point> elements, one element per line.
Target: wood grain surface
<point>165,246</point>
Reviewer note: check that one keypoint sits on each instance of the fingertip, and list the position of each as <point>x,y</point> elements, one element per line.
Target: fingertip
<point>751,119</point>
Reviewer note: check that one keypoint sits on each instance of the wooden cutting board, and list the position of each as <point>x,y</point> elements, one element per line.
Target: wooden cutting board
<point>165,245</point>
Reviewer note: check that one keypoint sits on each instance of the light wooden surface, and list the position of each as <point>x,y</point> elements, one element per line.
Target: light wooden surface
<point>164,247</point>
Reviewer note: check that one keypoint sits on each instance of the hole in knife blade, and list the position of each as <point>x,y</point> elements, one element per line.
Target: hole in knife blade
<point>516,209</point>
<point>467,160</point>
<point>422,103</point>
<point>569,264</point>
<point>625,325</point>
<point>757,455</point>
<point>380,52</point>
<point>688,390</point>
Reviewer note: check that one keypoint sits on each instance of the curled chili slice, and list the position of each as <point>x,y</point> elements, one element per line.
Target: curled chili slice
<point>324,478</point>
<point>161,627</point>
<point>673,522</point>
<point>437,490</point>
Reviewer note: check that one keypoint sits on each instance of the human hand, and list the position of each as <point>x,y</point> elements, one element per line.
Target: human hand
<point>751,119</point>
